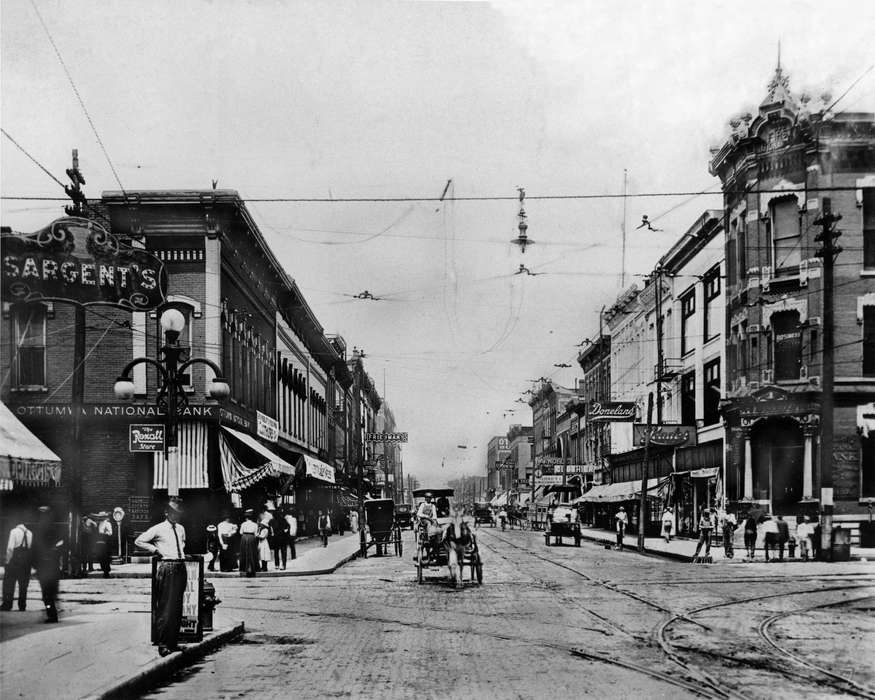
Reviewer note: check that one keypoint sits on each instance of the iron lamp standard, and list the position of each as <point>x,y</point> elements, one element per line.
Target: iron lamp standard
<point>171,366</point>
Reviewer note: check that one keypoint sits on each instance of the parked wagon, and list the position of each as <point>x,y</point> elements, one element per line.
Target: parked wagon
<point>383,530</point>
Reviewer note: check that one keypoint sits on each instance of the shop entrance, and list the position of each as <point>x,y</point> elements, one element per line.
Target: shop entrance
<point>778,451</point>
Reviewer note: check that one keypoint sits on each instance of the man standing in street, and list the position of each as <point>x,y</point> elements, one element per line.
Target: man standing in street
<point>47,545</point>
<point>323,522</point>
<point>293,532</point>
<point>730,523</point>
<point>803,536</point>
<point>104,542</point>
<point>783,536</point>
<point>770,535</point>
<point>706,525</point>
<point>18,560</point>
<point>166,541</point>
<point>622,520</point>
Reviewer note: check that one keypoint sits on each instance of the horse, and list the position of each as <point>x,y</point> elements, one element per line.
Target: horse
<point>456,539</point>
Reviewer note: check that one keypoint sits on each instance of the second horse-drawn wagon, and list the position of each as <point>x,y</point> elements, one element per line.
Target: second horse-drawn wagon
<point>383,530</point>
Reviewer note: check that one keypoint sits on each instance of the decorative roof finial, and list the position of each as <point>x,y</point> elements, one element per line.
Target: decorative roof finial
<point>779,85</point>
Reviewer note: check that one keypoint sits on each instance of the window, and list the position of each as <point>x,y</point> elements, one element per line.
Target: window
<point>869,341</point>
<point>688,309</point>
<point>754,353</point>
<point>713,322</point>
<point>869,228</point>
<point>867,467</point>
<point>788,345</point>
<point>784,219</point>
<point>712,392</point>
<point>30,341</point>
<point>741,248</point>
<point>688,399</point>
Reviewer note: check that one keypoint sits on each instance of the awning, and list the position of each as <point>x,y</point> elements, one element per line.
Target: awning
<point>499,500</point>
<point>239,476</point>
<point>191,439</point>
<point>614,493</point>
<point>866,420</point>
<point>317,468</point>
<point>707,473</point>
<point>24,459</point>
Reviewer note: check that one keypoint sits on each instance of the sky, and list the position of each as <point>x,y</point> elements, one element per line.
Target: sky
<point>387,99</point>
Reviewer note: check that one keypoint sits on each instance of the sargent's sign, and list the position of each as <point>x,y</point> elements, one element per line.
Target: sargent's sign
<point>76,260</point>
<point>146,437</point>
<point>665,435</point>
<point>613,411</point>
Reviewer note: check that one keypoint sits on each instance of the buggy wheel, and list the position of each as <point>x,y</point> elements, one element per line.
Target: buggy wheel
<point>420,553</point>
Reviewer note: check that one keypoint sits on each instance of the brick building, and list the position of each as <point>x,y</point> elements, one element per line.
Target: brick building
<point>281,436</point>
<point>778,167</point>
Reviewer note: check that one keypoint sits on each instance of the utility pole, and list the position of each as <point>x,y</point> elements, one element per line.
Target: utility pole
<point>623,229</point>
<point>828,252</point>
<point>660,355</point>
<point>642,504</point>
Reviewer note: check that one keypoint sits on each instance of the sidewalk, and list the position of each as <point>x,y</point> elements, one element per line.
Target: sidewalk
<point>683,549</point>
<point>102,650</point>
<point>313,559</point>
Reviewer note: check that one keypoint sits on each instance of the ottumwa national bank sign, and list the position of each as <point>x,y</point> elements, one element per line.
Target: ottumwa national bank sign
<point>76,260</point>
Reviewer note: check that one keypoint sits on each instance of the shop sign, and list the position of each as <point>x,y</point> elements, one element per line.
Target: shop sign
<point>140,509</point>
<point>612,411</point>
<point>76,260</point>
<point>207,412</point>
<point>665,435</point>
<point>146,437</point>
<point>268,428</point>
<point>385,437</point>
<point>189,623</point>
<point>548,480</point>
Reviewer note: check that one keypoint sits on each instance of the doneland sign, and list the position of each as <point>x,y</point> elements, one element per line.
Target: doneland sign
<point>76,260</point>
<point>612,411</point>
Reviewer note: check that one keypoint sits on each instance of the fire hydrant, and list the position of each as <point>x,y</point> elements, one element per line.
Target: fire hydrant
<point>209,604</point>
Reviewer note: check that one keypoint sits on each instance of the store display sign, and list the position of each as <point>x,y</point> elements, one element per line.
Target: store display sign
<point>146,437</point>
<point>612,411</point>
<point>385,437</point>
<point>548,480</point>
<point>268,428</point>
<point>665,435</point>
<point>76,260</point>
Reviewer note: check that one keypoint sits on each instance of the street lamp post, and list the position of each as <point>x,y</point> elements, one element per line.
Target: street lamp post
<point>171,365</point>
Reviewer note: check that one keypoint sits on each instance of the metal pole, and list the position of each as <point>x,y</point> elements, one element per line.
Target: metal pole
<point>77,399</point>
<point>660,360</point>
<point>171,362</point>
<point>642,504</point>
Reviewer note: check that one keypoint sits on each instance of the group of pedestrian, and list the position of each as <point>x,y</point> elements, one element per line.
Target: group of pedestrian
<point>251,545</point>
<point>777,537</point>
<point>95,543</point>
<point>39,549</point>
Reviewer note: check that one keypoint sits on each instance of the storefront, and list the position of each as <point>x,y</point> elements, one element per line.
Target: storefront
<point>600,504</point>
<point>695,483</point>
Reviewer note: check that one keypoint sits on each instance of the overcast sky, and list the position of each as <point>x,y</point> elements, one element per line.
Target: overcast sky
<point>371,99</point>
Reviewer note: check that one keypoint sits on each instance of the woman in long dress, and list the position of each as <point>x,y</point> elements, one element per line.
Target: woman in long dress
<point>249,563</point>
<point>264,553</point>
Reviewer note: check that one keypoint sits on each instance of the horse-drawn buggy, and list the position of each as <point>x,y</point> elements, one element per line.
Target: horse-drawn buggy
<point>444,538</point>
<point>383,531</point>
<point>483,513</point>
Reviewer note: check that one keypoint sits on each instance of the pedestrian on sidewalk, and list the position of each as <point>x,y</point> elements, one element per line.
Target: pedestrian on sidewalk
<point>667,523</point>
<point>48,542</point>
<point>103,542</point>
<point>804,532</point>
<point>621,520</point>
<point>87,537</point>
<point>212,546</point>
<point>166,541</point>
<point>292,520</point>
<point>770,535</point>
<point>264,553</point>
<point>249,544</point>
<point>783,536</point>
<point>750,536</point>
<point>227,530</point>
<point>279,540</point>
<point>730,523</point>
<point>323,522</point>
<point>706,525</point>
<point>19,557</point>
<point>354,521</point>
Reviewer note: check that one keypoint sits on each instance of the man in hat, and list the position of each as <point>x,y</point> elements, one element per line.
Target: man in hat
<point>104,541</point>
<point>622,520</point>
<point>47,545</point>
<point>166,541</point>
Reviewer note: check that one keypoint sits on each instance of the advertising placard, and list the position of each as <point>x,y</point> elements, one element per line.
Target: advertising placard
<point>612,411</point>
<point>385,437</point>
<point>268,428</point>
<point>548,480</point>
<point>190,628</point>
<point>146,437</point>
<point>665,435</point>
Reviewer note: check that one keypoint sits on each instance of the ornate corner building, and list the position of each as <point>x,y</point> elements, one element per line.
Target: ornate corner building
<point>778,168</point>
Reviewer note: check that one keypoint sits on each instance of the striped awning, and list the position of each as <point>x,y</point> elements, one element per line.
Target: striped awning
<point>24,459</point>
<point>191,438</point>
<point>622,491</point>
<point>239,476</point>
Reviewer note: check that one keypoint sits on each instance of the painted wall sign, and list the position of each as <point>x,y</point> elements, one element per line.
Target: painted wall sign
<point>146,437</point>
<point>385,437</point>
<point>666,435</point>
<point>76,260</point>
<point>140,509</point>
<point>613,411</point>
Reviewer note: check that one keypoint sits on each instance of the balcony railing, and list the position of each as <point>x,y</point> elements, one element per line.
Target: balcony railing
<point>671,368</point>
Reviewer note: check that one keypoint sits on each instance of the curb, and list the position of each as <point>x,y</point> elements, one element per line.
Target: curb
<point>166,667</point>
<point>647,553</point>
